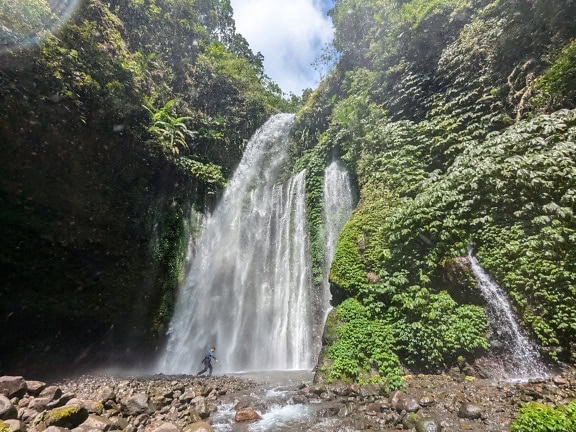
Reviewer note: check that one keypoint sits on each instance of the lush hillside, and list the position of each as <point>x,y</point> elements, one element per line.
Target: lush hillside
<point>113,130</point>
<point>458,120</point>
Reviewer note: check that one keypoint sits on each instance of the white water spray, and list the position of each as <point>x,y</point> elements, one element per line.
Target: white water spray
<point>522,363</point>
<point>248,291</point>
<point>338,205</point>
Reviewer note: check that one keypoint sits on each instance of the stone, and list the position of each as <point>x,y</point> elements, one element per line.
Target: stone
<point>560,381</point>
<point>187,396</point>
<point>105,394</point>
<point>246,415</point>
<point>428,424</point>
<point>66,417</point>
<point>16,425</point>
<point>51,392</point>
<point>27,415</point>
<point>39,404</point>
<point>243,405</point>
<point>13,386</point>
<point>166,427</point>
<point>35,387</point>
<point>470,411</point>
<point>426,401</point>
<point>299,400</point>
<point>374,408</point>
<point>199,427</point>
<point>7,409</point>
<point>401,402</point>
<point>56,429</point>
<point>137,404</point>
<point>94,422</point>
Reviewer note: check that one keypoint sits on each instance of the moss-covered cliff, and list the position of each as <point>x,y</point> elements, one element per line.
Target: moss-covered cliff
<point>457,119</point>
<point>113,130</point>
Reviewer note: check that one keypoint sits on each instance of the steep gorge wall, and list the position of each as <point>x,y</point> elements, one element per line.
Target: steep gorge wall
<point>112,132</point>
<point>458,121</point>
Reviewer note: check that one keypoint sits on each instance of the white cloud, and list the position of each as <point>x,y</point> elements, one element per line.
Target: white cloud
<point>290,35</point>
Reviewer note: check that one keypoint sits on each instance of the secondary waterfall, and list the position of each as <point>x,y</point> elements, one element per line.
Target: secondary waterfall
<point>522,362</point>
<point>249,290</point>
<point>338,205</point>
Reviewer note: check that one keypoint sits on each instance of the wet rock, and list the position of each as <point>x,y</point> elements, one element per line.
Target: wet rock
<point>299,400</point>
<point>560,381</point>
<point>7,409</point>
<point>199,427</point>
<point>13,386</point>
<point>428,424</point>
<point>244,405</point>
<point>327,412</point>
<point>246,415</point>
<point>470,411</point>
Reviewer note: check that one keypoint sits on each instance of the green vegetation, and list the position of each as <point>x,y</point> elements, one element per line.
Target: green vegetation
<point>538,417</point>
<point>456,119</point>
<point>361,345</point>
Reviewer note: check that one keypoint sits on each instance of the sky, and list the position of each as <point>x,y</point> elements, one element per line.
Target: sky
<point>290,34</point>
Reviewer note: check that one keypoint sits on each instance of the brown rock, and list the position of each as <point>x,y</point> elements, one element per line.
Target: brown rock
<point>7,409</point>
<point>199,427</point>
<point>247,415</point>
<point>39,404</point>
<point>51,392</point>
<point>12,386</point>
<point>16,425</point>
<point>35,387</point>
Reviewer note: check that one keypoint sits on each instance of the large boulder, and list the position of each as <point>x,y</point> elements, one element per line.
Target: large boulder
<point>401,402</point>
<point>137,404</point>
<point>67,417</point>
<point>13,386</point>
<point>7,410</point>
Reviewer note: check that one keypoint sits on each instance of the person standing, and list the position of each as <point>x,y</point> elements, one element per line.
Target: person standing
<point>207,360</point>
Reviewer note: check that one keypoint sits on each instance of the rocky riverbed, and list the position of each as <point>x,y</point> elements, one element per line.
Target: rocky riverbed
<point>280,402</point>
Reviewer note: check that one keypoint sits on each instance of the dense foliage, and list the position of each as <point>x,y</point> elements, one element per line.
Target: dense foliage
<point>116,125</point>
<point>457,120</point>
<point>538,417</point>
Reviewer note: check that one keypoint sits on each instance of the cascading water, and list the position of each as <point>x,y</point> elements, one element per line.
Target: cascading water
<point>522,362</point>
<point>248,291</point>
<point>338,205</point>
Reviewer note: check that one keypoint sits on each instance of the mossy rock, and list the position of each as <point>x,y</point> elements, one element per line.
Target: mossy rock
<point>67,417</point>
<point>459,281</point>
<point>4,427</point>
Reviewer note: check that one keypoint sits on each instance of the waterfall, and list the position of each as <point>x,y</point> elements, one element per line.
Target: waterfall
<point>248,290</point>
<point>522,361</point>
<point>338,205</point>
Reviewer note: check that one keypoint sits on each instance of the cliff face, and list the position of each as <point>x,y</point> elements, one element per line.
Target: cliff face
<point>457,119</point>
<point>112,132</point>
